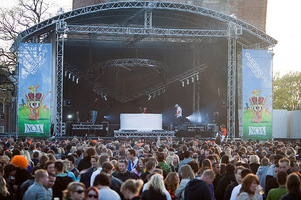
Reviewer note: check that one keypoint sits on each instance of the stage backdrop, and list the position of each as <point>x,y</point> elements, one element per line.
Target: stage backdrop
<point>257,94</point>
<point>34,89</point>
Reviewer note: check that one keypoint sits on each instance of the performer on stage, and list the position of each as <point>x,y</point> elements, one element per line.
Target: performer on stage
<point>223,131</point>
<point>77,118</point>
<point>144,110</point>
<point>94,108</point>
<point>178,114</point>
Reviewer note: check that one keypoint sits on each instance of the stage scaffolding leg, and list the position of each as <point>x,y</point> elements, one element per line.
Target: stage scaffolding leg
<point>231,94</point>
<point>196,89</point>
<point>60,34</point>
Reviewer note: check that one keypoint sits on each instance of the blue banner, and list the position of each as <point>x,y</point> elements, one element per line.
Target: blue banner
<point>257,94</point>
<point>34,89</point>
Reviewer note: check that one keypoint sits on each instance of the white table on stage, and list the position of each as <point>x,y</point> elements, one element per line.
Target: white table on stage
<point>140,122</point>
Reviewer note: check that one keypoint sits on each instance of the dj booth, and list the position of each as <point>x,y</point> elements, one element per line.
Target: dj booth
<point>141,125</point>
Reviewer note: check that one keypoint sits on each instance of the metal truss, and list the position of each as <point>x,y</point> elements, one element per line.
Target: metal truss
<point>83,126</point>
<point>130,63</point>
<point>231,91</point>
<point>123,40</point>
<point>143,134</point>
<point>89,11</point>
<point>162,86</point>
<point>146,31</point>
<point>60,32</point>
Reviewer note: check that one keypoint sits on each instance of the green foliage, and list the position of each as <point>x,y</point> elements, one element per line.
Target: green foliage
<point>287,91</point>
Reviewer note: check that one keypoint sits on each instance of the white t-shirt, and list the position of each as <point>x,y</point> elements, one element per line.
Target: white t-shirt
<point>235,192</point>
<point>179,112</point>
<point>94,174</point>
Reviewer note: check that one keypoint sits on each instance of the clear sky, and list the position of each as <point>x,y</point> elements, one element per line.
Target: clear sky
<point>282,24</point>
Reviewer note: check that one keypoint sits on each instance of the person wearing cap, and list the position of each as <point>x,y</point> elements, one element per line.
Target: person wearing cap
<point>178,114</point>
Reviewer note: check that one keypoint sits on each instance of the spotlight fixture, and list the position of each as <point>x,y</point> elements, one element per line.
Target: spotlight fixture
<point>77,79</point>
<point>192,79</point>
<point>197,77</point>
<point>187,81</point>
<point>105,97</point>
<point>149,97</point>
<point>69,76</point>
<point>183,84</point>
<point>66,73</point>
<point>73,78</point>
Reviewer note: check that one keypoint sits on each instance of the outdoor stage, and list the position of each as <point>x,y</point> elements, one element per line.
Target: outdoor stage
<point>138,54</point>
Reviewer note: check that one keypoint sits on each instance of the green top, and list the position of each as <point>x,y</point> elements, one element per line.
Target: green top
<point>276,193</point>
<point>165,166</point>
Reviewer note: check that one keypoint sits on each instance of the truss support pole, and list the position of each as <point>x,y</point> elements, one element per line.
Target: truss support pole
<point>60,34</point>
<point>148,21</point>
<point>196,89</point>
<point>231,92</point>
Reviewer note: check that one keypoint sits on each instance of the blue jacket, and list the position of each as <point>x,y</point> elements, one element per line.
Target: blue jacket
<point>35,192</point>
<point>262,173</point>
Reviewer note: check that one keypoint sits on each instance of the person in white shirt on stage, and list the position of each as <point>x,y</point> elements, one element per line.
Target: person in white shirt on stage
<point>178,114</point>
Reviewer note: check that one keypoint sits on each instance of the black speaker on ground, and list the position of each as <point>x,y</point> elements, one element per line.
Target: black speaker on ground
<point>185,134</point>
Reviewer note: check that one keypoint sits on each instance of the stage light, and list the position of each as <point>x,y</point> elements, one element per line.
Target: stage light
<point>77,79</point>
<point>192,79</point>
<point>149,97</point>
<point>187,81</point>
<point>183,84</point>
<point>197,77</point>
<point>73,78</point>
<point>105,97</point>
<point>154,95</point>
<point>66,73</point>
<point>69,116</point>
<point>69,75</point>
<point>163,91</point>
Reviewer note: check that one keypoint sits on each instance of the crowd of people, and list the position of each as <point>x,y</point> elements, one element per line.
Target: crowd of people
<point>149,169</point>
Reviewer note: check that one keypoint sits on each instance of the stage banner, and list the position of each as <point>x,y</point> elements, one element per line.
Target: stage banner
<point>257,94</point>
<point>34,89</point>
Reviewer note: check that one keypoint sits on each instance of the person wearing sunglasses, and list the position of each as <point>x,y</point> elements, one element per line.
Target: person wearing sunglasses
<point>74,191</point>
<point>91,193</point>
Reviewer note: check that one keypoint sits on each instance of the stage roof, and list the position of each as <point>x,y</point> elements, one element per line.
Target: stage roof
<point>133,49</point>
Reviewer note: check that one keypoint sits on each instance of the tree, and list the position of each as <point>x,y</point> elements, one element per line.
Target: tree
<point>287,91</point>
<point>12,21</point>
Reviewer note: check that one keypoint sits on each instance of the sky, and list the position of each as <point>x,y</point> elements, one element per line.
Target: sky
<point>282,24</point>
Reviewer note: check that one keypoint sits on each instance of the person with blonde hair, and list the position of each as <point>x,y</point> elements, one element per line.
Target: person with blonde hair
<point>74,191</point>
<point>187,175</point>
<point>169,161</point>
<point>131,188</point>
<point>4,193</point>
<point>155,188</point>
<point>254,161</point>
